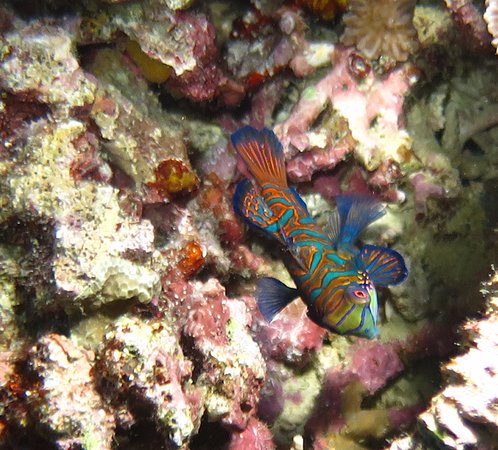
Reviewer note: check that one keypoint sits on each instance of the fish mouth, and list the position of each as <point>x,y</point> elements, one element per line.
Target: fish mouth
<point>359,301</point>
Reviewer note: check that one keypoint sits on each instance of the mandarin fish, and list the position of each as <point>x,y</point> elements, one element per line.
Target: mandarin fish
<point>336,279</point>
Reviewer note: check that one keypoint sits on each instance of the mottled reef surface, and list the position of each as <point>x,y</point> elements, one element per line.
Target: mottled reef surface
<point>127,310</point>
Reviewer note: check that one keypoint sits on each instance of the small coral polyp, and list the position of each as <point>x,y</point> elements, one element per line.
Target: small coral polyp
<point>381,28</point>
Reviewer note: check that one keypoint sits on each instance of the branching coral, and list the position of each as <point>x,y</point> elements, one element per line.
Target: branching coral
<point>381,28</point>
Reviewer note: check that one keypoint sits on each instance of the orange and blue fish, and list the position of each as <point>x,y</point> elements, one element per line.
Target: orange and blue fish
<point>336,279</point>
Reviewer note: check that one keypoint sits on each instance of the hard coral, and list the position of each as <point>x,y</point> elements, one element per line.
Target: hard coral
<point>491,18</point>
<point>265,46</point>
<point>139,140</point>
<point>464,414</point>
<point>381,28</point>
<point>228,365</point>
<point>370,112</point>
<point>39,59</point>
<point>66,401</point>
<point>97,247</point>
<point>292,337</point>
<point>141,364</point>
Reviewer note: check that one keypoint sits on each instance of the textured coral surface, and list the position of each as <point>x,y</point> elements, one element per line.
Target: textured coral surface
<point>128,317</point>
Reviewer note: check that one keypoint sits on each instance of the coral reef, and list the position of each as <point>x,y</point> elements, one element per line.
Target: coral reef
<point>128,316</point>
<point>383,29</point>
<point>89,262</point>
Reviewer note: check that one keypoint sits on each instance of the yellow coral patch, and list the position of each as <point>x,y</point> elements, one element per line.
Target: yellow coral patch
<point>153,70</point>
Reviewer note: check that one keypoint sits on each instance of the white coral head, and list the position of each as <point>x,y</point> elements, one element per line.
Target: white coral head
<point>382,27</point>
<point>491,18</point>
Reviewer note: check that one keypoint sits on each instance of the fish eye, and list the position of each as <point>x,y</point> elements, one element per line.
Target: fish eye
<point>360,294</point>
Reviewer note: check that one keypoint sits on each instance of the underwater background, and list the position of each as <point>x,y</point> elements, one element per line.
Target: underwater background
<point>128,310</point>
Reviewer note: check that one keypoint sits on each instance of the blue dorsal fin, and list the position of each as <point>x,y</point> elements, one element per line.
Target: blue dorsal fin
<point>299,200</point>
<point>272,296</point>
<point>333,226</point>
<point>384,265</point>
<point>356,213</point>
<point>253,209</point>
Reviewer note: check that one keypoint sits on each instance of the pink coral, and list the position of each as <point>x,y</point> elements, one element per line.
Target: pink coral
<point>304,165</point>
<point>215,332</point>
<point>291,337</point>
<point>375,363</point>
<point>272,399</point>
<point>373,110</point>
<point>200,83</point>
<point>400,418</point>
<point>470,20</point>
<point>256,436</point>
<point>424,188</point>
<point>328,411</point>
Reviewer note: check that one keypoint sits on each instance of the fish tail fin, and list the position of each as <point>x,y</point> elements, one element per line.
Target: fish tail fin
<point>356,212</point>
<point>249,205</point>
<point>272,296</point>
<point>263,154</point>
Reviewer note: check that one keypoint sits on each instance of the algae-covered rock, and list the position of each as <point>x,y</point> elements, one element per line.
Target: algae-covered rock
<point>464,414</point>
<point>144,359</point>
<point>99,254</point>
<point>65,405</point>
